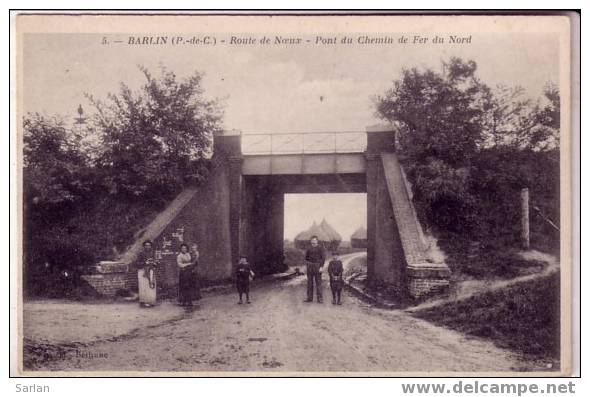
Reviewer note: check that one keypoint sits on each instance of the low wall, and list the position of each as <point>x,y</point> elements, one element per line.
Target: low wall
<point>108,284</point>
<point>110,277</point>
<point>427,279</point>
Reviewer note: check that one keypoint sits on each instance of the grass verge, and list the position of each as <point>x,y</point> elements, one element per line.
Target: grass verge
<point>524,317</point>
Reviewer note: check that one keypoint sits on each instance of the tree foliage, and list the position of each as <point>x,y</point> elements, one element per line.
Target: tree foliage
<point>515,121</point>
<point>468,148</point>
<point>86,192</point>
<point>439,114</point>
<point>156,140</point>
<point>55,171</point>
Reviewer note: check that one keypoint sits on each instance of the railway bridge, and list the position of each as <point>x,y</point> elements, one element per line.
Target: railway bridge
<point>240,209</point>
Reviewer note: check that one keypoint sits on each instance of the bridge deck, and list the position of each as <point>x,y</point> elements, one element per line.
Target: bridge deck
<point>303,153</point>
<point>327,163</point>
<point>304,143</point>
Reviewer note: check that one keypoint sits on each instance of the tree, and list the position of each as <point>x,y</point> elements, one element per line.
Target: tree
<point>158,139</point>
<point>521,123</point>
<point>468,149</point>
<point>547,115</point>
<point>55,171</point>
<point>56,179</point>
<point>439,118</point>
<point>88,191</point>
<point>439,115</point>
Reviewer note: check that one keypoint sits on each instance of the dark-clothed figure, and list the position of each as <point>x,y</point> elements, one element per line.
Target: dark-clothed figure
<point>195,266</point>
<point>314,259</point>
<point>146,275</point>
<point>186,278</point>
<point>335,271</point>
<point>243,274</point>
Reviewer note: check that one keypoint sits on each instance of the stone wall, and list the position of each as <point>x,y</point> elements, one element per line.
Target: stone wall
<point>204,220</point>
<point>261,228</point>
<point>389,254</point>
<point>198,215</point>
<point>108,284</point>
<point>427,279</point>
<point>109,278</point>
<point>421,277</point>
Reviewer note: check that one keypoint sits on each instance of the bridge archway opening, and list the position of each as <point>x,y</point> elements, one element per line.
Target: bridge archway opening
<point>343,212</point>
<point>274,208</point>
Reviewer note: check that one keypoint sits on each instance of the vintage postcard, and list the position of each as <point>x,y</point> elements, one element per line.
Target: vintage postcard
<point>292,194</point>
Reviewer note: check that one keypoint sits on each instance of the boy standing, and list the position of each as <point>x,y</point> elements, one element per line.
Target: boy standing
<point>243,274</point>
<point>335,271</point>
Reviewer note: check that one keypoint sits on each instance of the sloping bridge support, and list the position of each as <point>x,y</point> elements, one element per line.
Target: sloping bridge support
<point>396,250</point>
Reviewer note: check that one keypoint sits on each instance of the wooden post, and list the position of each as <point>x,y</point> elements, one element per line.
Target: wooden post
<point>524,205</point>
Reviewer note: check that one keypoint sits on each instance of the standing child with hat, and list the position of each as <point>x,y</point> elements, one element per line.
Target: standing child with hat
<point>335,271</point>
<point>243,274</point>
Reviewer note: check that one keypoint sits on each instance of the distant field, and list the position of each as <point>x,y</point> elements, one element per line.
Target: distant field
<point>296,257</point>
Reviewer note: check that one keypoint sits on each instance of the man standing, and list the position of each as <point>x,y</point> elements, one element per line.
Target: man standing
<point>314,258</point>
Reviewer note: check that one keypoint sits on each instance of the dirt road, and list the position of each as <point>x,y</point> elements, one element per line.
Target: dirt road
<point>279,332</point>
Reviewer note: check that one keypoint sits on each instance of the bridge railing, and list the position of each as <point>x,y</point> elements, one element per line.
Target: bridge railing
<point>304,143</point>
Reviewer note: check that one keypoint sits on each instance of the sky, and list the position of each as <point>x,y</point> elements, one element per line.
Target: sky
<point>272,89</point>
<point>278,88</point>
<point>346,212</point>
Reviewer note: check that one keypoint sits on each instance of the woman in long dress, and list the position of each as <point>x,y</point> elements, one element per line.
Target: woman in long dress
<point>186,285</point>
<point>146,275</point>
